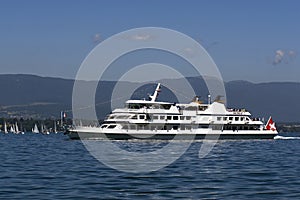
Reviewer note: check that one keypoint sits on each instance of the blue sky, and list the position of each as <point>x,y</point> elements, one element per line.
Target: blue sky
<point>256,41</point>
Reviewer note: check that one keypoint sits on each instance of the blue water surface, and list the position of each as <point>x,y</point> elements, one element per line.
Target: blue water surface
<point>35,166</point>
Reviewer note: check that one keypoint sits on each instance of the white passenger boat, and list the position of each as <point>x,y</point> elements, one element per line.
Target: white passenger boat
<point>151,119</point>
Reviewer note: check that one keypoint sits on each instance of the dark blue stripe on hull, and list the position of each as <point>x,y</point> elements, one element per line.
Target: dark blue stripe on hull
<point>197,137</point>
<point>116,136</point>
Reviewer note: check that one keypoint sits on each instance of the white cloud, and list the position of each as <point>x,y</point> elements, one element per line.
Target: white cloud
<point>278,57</point>
<point>140,37</point>
<point>283,56</point>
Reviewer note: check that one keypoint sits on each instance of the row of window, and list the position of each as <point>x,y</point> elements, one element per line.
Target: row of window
<point>233,118</point>
<point>159,127</point>
<point>236,128</point>
<point>148,106</point>
<point>177,127</point>
<point>174,117</point>
<point>118,116</point>
<point>127,117</point>
<point>111,126</point>
<point>155,117</point>
<point>195,108</point>
<point>171,117</point>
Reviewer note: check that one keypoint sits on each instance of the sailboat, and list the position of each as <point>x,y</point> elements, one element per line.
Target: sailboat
<point>5,128</point>
<point>35,129</point>
<point>12,129</point>
<point>55,128</point>
<point>44,129</point>
<point>17,131</point>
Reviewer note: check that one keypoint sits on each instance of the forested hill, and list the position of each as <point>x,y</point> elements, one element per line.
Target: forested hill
<point>35,96</point>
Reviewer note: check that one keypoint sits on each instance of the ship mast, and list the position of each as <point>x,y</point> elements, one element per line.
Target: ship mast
<point>154,96</point>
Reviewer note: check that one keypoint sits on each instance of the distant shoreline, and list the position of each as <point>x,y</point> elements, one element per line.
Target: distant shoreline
<point>37,97</point>
<point>28,124</point>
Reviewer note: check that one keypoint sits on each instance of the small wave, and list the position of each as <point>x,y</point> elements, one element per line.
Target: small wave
<point>278,137</point>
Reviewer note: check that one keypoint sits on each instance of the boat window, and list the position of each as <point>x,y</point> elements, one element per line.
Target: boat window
<point>181,117</point>
<point>242,118</point>
<point>155,117</point>
<point>125,127</point>
<point>202,108</point>
<point>134,117</point>
<point>169,117</point>
<point>132,127</point>
<point>175,127</point>
<point>219,118</point>
<point>122,117</point>
<point>104,126</point>
<point>236,119</point>
<point>191,108</point>
<point>142,116</point>
<point>230,118</point>
<point>111,126</point>
<point>133,106</point>
<point>188,117</point>
<point>140,127</point>
<point>162,117</point>
<point>160,127</point>
<point>203,126</point>
<point>166,106</point>
<point>138,105</point>
<point>225,118</point>
<point>155,106</point>
<point>175,117</point>
<point>111,117</point>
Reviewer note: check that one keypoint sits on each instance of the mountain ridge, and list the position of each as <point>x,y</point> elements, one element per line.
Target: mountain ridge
<point>44,97</point>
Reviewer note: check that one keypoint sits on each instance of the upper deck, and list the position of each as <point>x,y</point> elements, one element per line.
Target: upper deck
<point>191,109</point>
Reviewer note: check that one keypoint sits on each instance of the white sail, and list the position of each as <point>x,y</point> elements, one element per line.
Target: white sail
<point>12,129</point>
<point>16,128</point>
<point>42,128</point>
<point>55,128</point>
<point>5,128</point>
<point>35,129</point>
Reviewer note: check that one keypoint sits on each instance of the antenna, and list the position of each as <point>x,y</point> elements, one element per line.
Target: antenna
<point>209,99</point>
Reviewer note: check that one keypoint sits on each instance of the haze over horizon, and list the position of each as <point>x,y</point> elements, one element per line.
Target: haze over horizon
<point>253,41</point>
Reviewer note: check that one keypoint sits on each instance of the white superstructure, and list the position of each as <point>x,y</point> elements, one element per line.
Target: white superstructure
<point>151,119</point>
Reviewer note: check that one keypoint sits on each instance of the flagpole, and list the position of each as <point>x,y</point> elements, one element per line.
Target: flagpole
<point>61,118</point>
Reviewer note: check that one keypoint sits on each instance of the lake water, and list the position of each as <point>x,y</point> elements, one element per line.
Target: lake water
<point>35,166</point>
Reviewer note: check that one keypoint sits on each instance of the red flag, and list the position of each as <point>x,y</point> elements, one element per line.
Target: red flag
<point>270,125</point>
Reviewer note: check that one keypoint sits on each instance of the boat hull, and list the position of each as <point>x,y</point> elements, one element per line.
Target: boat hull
<point>170,136</point>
